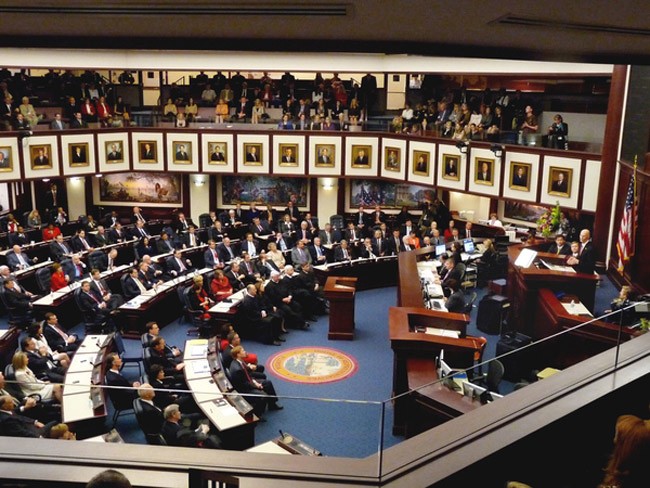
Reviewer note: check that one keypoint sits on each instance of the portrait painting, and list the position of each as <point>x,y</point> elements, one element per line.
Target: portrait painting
<point>420,163</point>
<point>114,152</point>
<point>520,176</point>
<point>559,181</point>
<point>451,167</point>
<point>253,154</point>
<point>218,153</point>
<point>182,152</point>
<point>146,189</point>
<point>326,153</point>
<point>78,154</point>
<point>288,154</point>
<point>148,151</point>
<point>41,156</point>
<point>484,171</point>
<point>6,163</point>
<point>392,158</point>
<point>361,156</point>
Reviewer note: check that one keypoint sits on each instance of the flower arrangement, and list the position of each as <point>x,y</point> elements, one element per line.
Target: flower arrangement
<point>549,222</point>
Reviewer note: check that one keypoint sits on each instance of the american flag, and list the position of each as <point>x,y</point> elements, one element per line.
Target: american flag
<point>625,244</point>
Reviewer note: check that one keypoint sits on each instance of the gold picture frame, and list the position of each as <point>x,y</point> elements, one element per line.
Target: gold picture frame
<point>78,154</point>
<point>114,152</point>
<point>451,167</point>
<point>288,154</point>
<point>484,171</point>
<point>520,175</point>
<point>252,154</point>
<point>40,156</point>
<point>218,153</point>
<point>6,159</point>
<point>361,156</point>
<point>182,152</point>
<point>559,181</point>
<point>421,162</point>
<point>392,158</point>
<point>325,154</point>
<point>148,151</point>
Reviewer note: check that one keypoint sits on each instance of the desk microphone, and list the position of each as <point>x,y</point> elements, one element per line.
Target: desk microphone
<point>281,433</point>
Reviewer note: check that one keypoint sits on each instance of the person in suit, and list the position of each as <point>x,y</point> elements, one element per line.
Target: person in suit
<point>147,152</point>
<point>173,366</point>
<point>300,254</point>
<point>59,249</point>
<point>16,425</point>
<point>137,216</point>
<point>251,155</point>
<point>217,232</point>
<point>217,154</point>
<point>57,337</point>
<point>519,178</point>
<point>342,253</point>
<point>100,287</point>
<point>79,242</point>
<point>164,244</point>
<point>132,285</point>
<point>191,238</point>
<point>281,298</point>
<point>259,227</point>
<point>57,123</point>
<point>317,252</point>
<point>453,272</point>
<point>422,166</point>
<point>352,233</point>
<point>211,256</point>
<point>77,121</point>
<point>41,361</point>
<point>484,173</point>
<point>181,153</point>
<point>152,417</point>
<point>244,383</point>
<point>361,159</point>
<point>181,224</point>
<point>41,159</point>
<point>79,154</point>
<point>91,302</point>
<point>560,185</point>
<point>114,377</point>
<point>226,251</point>
<point>294,213</point>
<point>17,259</point>
<point>456,300</point>
<point>75,269</point>
<point>379,243</point>
<point>116,234</point>
<point>265,265</point>
<point>288,156</point>
<point>115,154</point>
<point>329,236</point>
<point>18,300</point>
<point>585,262</point>
<point>235,277</point>
<point>176,434</point>
<point>324,157</point>
<point>560,246</point>
<point>177,265</point>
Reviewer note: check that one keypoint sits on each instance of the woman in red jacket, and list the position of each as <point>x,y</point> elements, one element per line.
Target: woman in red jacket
<point>59,278</point>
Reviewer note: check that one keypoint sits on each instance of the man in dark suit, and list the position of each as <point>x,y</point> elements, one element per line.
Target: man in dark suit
<point>484,173</point>
<point>520,178</point>
<point>251,155</point>
<point>147,152</point>
<point>217,232</point>
<point>79,242</point>
<point>137,216</point>
<point>41,159</point>
<point>288,156</point>
<point>41,362</point>
<point>211,256</point>
<point>317,252</point>
<point>152,417</point>
<point>181,153</point>
<point>454,272</point>
<point>132,285</point>
<point>100,287</point>
<point>265,325</point>
<point>14,298</point>
<point>294,213</point>
<point>226,251</point>
<point>280,297</point>
<point>77,122</point>
<point>343,252</point>
<point>176,434</point>
<point>244,383</point>
<point>90,302</point>
<point>173,366</point>
<point>395,244</point>
<point>324,156</point>
<point>181,224</point>
<point>115,154</point>
<point>265,265</point>
<point>57,338</point>
<point>560,246</point>
<point>191,238</point>
<point>217,154</point>
<point>361,159</point>
<point>117,234</point>
<point>100,238</point>
<point>585,262</point>
<point>79,155</point>
<point>560,185</point>
<point>456,301</point>
<point>177,265</point>
<point>164,244</point>
<point>15,425</point>
<point>259,227</point>
<point>59,249</point>
<point>75,269</point>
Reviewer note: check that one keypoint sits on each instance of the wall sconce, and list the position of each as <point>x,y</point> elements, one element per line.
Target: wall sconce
<point>45,180</point>
<point>327,183</point>
<point>98,175</point>
<point>462,147</point>
<point>497,149</point>
<point>199,180</point>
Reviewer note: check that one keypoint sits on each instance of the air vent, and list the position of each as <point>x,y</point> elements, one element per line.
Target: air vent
<point>263,10</point>
<point>511,19</point>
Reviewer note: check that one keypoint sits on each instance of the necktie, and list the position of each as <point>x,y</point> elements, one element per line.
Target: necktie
<point>60,332</point>
<point>248,377</point>
<point>192,240</point>
<point>180,264</point>
<point>86,246</point>
<point>318,253</point>
<point>140,285</point>
<point>379,245</point>
<point>93,298</point>
<point>345,254</point>
<point>354,236</point>
<point>469,234</point>
<point>230,252</point>
<point>65,250</point>
<point>21,260</point>
<point>283,246</point>
<point>100,287</point>
<point>302,254</point>
<point>80,271</point>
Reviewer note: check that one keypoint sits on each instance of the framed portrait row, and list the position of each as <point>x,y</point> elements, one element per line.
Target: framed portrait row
<point>528,176</point>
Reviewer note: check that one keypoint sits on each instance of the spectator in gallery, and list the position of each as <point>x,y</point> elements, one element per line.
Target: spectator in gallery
<point>170,110</point>
<point>28,112</point>
<point>208,95</point>
<point>258,112</point>
<point>221,111</point>
<point>181,121</point>
<point>530,125</point>
<point>558,132</point>
<point>191,110</point>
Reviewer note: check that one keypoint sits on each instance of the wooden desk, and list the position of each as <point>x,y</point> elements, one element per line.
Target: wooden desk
<point>340,291</point>
<point>408,344</point>
<point>551,317</point>
<point>370,273</point>
<point>160,304</point>
<point>8,343</point>
<point>235,430</point>
<point>83,401</point>
<point>524,285</point>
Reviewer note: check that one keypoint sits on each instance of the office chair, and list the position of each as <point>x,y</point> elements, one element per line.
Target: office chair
<point>146,359</point>
<point>204,220</point>
<point>92,323</point>
<point>17,318</point>
<point>122,401</point>
<point>470,304</point>
<point>152,438</point>
<point>493,377</point>
<point>202,327</point>
<point>96,259</point>
<point>44,280</point>
<point>120,350</point>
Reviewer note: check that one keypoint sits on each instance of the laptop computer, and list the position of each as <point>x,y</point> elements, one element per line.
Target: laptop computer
<point>468,244</point>
<point>440,249</point>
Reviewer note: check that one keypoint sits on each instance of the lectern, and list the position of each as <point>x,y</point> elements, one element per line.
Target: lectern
<point>340,290</point>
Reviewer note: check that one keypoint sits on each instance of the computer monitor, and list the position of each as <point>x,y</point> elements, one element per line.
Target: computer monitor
<point>440,249</point>
<point>525,258</point>
<point>445,369</point>
<point>97,374</point>
<point>468,244</point>
<point>501,239</point>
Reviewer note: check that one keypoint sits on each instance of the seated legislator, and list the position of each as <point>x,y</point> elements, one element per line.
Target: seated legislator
<point>216,232</point>
<point>248,269</point>
<point>250,359</point>
<point>220,287</point>
<point>560,246</point>
<point>250,245</point>
<point>152,417</point>
<point>255,321</point>
<point>113,377</point>
<point>75,269</point>
<point>58,279</point>
<point>50,232</point>
<point>18,300</point>
<point>244,383</point>
<point>18,238</point>
<point>368,250</point>
<point>151,272</point>
<point>35,331</point>
<point>265,265</point>
<point>138,231</point>
<point>379,243</point>
<point>191,238</point>
<point>146,247</point>
<point>80,243</point>
<point>92,302</point>
<point>164,244</point>
<point>14,424</point>
<point>59,249</point>
<point>57,337</point>
<point>17,260</point>
<point>172,366</point>
<point>101,237</point>
<point>286,227</point>
<point>395,243</point>
<point>235,277</point>
<point>211,256</point>
<point>454,271</point>
<point>153,331</point>
<point>260,227</point>
<point>100,287</point>
<point>28,382</point>
<point>226,251</point>
<point>585,261</point>
<point>342,253</point>
<point>317,253</point>
<point>199,298</point>
<point>132,285</point>
<point>41,363</point>
<point>352,233</point>
<point>282,242</point>
<point>177,265</point>
<point>164,397</point>
<point>176,434</point>
<point>300,254</point>
<point>329,236</point>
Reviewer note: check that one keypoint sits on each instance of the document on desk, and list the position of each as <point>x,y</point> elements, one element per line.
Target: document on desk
<point>577,308</point>
<point>442,332</point>
<point>558,267</point>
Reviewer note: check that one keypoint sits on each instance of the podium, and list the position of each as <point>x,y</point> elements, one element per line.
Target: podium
<point>340,290</point>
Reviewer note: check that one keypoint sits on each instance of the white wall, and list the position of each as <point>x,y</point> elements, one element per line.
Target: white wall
<point>466,204</point>
<point>582,127</point>
<point>76,188</point>
<point>326,199</point>
<point>199,197</point>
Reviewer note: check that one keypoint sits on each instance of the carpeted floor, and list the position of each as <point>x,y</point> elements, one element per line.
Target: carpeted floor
<point>342,418</point>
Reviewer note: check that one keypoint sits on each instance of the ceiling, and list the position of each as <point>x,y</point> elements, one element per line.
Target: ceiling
<point>610,32</point>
